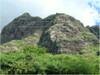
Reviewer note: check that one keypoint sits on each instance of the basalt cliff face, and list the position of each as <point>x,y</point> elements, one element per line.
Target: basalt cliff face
<point>22,26</point>
<point>59,33</point>
<point>65,34</point>
<point>95,30</point>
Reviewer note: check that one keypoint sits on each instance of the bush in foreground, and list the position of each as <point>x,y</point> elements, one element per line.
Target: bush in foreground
<point>35,60</point>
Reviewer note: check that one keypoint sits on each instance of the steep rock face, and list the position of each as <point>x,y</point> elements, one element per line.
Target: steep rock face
<point>65,34</point>
<point>20,27</point>
<point>95,30</point>
<point>60,33</point>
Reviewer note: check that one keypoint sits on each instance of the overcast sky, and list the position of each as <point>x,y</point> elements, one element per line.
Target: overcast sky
<point>87,11</point>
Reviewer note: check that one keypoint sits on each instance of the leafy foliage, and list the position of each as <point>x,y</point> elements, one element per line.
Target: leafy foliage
<point>35,60</point>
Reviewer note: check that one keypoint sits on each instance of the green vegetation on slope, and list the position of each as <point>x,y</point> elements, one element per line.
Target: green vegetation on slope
<point>35,60</point>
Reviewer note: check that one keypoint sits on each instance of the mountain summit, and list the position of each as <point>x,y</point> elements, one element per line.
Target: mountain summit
<point>60,33</point>
<point>19,28</point>
<point>65,34</point>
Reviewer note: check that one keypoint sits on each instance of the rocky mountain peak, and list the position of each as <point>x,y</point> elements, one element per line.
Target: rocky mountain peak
<point>61,18</point>
<point>26,14</point>
<point>60,33</point>
<point>19,28</point>
<point>95,30</point>
<point>65,34</point>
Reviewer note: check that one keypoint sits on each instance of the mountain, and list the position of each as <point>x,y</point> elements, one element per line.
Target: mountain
<point>59,33</point>
<point>65,34</point>
<point>20,27</point>
<point>95,30</point>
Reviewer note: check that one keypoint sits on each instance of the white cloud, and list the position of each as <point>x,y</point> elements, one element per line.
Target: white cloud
<point>76,8</point>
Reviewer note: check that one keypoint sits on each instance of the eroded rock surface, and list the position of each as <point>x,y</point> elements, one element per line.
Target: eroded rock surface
<point>66,35</point>
<point>60,33</point>
<point>20,27</point>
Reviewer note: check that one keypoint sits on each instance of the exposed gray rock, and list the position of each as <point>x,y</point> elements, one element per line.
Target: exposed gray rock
<point>65,34</point>
<point>20,27</point>
<point>95,30</point>
<point>60,33</point>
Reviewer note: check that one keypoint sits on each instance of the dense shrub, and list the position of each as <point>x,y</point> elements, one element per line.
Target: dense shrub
<point>35,60</point>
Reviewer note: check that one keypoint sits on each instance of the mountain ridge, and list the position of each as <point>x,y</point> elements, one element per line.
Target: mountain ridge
<point>59,33</point>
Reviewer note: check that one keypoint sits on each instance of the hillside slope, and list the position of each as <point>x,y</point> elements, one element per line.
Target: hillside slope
<point>59,33</point>
<point>65,34</point>
<point>20,27</point>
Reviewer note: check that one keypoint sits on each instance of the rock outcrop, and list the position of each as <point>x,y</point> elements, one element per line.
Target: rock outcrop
<point>65,34</point>
<point>95,30</point>
<point>60,33</point>
<point>20,27</point>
